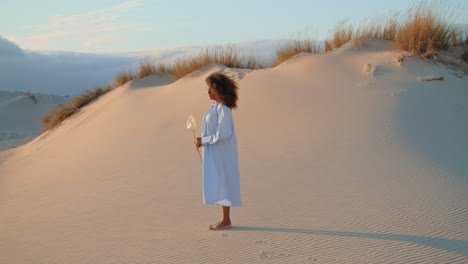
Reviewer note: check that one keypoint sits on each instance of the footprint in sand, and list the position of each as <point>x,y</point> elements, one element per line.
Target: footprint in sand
<point>273,255</point>
<point>369,69</point>
<point>260,242</point>
<point>312,259</point>
<point>225,235</point>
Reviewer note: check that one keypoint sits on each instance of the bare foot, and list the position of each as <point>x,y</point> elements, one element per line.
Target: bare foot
<point>221,225</point>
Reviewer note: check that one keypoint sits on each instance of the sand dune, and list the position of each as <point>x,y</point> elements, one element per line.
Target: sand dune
<point>21,114</point>
<point>337,166</point>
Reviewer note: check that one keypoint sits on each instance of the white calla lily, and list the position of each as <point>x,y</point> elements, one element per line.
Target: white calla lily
<point>192,124</point>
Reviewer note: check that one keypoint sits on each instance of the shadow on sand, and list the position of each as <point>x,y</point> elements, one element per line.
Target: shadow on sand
<point>452,245</point>
<point>433,122</point>
<point>151,81</point>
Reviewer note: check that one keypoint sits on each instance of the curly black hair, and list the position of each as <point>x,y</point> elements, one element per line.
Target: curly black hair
<point>226,87</point>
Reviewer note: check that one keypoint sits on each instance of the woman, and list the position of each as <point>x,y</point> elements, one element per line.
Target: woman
<point>221,181</point>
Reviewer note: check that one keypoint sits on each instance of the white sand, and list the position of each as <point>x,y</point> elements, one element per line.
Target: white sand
<point>21,114</point>
<point>337,166</point>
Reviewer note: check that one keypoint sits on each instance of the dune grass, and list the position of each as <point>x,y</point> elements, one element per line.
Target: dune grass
<point>427,30</point>
<point>227,55</point>
<point>385,29</point>
<point>124,77</point>
<point>62,112</point>
<point>286,50</point>
<point>148,68</point>
<point>342,34</point>
<point>423,30</point>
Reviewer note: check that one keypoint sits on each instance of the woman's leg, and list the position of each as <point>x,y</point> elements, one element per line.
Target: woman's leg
<point>226,218</point>
<point>225,223</point>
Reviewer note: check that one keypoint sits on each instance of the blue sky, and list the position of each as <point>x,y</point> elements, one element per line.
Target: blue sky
<point>120,25</point>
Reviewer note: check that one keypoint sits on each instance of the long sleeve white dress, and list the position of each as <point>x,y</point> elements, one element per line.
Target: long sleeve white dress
<point>221,181</point>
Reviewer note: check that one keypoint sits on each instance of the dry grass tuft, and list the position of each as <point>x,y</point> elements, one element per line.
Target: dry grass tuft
<point>328,45</point>
<point>390,28</point>
<point>110,86</point>
<point>226,55</point>
<point>423,30</point>
<point>376,29</point>
<point>148,68</point>
<point>252,63</point>
<point>293,47</point>
<point>56,117</point>
<point>342,34</point>
<point>125,77</point>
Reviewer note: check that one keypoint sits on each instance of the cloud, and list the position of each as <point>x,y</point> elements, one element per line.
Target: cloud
<point>8,48</point>
<point>10,38</point>
<point>89,26</point>
<point>65,73</point>
<point>100,40</point>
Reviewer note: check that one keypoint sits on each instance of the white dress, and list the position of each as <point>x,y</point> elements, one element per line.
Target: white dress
<point>221,181</point>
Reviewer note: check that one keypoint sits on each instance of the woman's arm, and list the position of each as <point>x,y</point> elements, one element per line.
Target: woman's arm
<point>224,129</point>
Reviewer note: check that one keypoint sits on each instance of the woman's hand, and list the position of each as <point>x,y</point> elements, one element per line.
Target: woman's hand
<point>197,142</point>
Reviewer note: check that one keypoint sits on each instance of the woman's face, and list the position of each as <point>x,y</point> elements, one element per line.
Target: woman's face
<point>213,93</point>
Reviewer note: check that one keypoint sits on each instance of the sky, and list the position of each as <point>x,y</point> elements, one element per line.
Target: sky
<point>122,26</point>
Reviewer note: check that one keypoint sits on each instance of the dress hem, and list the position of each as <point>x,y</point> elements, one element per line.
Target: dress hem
<point>223,203</point>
